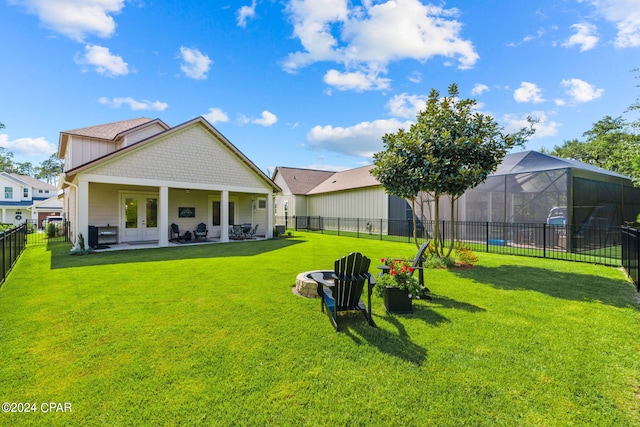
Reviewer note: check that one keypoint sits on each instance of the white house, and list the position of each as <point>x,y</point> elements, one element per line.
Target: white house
<point>19,195</point>
<point>136,177</point>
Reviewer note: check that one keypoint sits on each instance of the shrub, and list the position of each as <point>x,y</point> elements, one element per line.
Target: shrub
<point>464,254</point>
<point>51,230</point>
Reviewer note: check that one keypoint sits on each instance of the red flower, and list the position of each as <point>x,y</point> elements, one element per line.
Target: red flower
<point>392,272</point>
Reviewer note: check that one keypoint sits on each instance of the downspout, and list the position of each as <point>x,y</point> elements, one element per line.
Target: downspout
<point>75,223</point>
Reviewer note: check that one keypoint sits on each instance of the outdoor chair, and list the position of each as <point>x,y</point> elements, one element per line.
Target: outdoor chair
<point>201,231</point>
<point>417,265</point>
<point>342,292</point>
<point>175,231</point>
<point>252,232</point>
<point>236,232</point>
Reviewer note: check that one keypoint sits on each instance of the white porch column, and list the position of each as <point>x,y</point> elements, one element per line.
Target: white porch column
<point>83,211</point>
<point>224,216</point>
<point>163,216</point>
<point>268,232</point>
<point>4,215</point>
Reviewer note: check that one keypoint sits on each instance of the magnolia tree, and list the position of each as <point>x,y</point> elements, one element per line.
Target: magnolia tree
<point>450,149</point>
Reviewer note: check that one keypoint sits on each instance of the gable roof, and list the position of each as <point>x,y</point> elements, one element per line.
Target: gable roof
<point>347,180</point>
<point>107,131</point>
<point>35,183</point>
<point>28,181</point>
<point>301,181</point>
<point>71,173</point>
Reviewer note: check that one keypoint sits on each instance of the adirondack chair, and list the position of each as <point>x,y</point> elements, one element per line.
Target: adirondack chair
<point>201,231</point>
<point>175,230</point>
<point>342,292</point>
<point>417,266</point>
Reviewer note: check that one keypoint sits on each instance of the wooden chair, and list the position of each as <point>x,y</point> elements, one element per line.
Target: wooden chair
<point>417,265</point>
<point>201,231</point>
<point>342,292</point>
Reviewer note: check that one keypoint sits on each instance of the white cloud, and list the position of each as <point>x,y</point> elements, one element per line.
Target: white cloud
<point>415,77</point>
<point>405,105</point>
<point>625,15</point>
<point>330,168</point>
<point>246,12</point>
<point>528,92</point>
<point>103,61</point>
<point>266,119</point>
<point>76,19</point>
<point>28,146</point>
<point>216,115</point>
<point>363,139</point>
<point>585,37</point>
<point>581,91</point>
<point>194,63</point>
<point>479,89</point>
<point>544,128</point>
<point>133,104</point>
<point>357,81</point>
<point>372,35</point>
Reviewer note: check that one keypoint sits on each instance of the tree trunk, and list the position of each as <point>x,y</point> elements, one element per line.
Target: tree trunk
<point>453,225</point>
<point>437,242</point>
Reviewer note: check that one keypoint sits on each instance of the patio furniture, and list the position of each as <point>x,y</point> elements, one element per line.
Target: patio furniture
<point>252,232</point>
<point>201,231</point>
<point>343,291</point>
<point>235,232</point>
<point>175,230</point>
<point>417,264</point>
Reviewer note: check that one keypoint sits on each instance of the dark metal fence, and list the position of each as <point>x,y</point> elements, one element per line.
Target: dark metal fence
<point>631,253</point>
<point>12,243</point>
<point>593,244</point>
<point>14,240</point>
<point>53,231</point>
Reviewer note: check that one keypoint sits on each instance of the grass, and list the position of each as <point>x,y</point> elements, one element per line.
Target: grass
<point>213,335</point>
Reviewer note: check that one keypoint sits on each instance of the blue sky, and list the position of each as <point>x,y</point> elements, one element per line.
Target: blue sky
<point>310,83</point>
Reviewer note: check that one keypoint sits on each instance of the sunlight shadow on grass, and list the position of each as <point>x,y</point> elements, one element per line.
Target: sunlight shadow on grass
<point>559,284</point>
<point>60,257</point>
<point>397,345</point>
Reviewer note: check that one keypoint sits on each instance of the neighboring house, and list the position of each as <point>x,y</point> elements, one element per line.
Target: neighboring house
<point>525,188</point>
<point>353,193</point>
<point>139,176</point>
<point>19,195</point>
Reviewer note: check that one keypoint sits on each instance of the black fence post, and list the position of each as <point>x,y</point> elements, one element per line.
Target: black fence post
<point>487,236</point>
<point>544,240</point>
<point>381,228</point>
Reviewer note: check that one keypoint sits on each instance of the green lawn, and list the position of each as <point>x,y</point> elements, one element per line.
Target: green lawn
<point>213,335</point>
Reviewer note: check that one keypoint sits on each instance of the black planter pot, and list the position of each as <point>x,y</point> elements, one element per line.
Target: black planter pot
<point>397,300</point>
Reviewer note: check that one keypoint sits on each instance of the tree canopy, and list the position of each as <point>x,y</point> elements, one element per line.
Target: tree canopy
<point>610,144</point>
<point>450,149</point>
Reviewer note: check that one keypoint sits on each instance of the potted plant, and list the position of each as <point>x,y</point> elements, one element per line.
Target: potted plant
<point>397,286</point>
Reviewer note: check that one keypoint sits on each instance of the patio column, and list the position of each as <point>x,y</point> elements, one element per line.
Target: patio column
<point>83,211</point>
<point>224,216</point>
<point>163,216</point>
<point>4,215</point>
<point>268,233</point>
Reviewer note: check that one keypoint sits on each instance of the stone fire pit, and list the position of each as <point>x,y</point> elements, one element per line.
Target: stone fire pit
<point>306,286</point>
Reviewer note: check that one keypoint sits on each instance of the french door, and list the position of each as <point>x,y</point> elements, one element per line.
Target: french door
<point>139,217</point>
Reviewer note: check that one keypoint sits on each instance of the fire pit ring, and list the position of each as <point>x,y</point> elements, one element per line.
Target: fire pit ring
<point>306,286</point>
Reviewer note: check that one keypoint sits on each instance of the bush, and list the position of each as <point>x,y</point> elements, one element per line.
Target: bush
<point>464,254</point>
<point>51,230</point>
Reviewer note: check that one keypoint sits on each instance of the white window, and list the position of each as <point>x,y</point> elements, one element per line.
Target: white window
<point>8,192</point>
<point>25,193</point>
<point>262,203</point>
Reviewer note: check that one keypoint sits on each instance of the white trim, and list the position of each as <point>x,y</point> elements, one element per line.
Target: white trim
<point>106,179</point>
